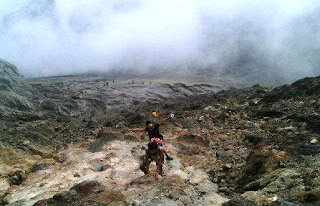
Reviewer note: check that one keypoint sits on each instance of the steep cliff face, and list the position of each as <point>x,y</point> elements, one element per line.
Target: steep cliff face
<point>15,91</point>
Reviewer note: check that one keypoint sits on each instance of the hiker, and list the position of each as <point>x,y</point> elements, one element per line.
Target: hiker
<point>153,131</point>
<point>153,153</point>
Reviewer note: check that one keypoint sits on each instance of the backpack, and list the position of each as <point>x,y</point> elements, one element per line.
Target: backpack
<point>158,141</point>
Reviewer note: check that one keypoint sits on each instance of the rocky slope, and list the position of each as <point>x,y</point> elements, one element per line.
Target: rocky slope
<point>254,146</point>
<point>267,142</point>
<point>15,91</point>
<point>37,142</point>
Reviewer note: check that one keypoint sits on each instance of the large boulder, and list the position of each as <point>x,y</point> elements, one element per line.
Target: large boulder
<point>86,193</point>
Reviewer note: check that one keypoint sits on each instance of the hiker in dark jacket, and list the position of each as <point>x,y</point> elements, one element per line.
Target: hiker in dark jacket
<point>153,131</point>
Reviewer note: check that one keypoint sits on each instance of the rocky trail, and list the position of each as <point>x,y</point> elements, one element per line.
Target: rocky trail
<point>65,141</point>
<point>116,168</point>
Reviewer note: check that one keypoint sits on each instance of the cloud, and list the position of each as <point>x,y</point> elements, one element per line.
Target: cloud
<point>56,37</point>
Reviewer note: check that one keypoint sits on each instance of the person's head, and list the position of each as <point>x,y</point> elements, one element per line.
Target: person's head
<point>149,124</point>
<point>152,146</point>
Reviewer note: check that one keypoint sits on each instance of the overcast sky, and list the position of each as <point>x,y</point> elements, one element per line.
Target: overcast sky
<point>57,37</point>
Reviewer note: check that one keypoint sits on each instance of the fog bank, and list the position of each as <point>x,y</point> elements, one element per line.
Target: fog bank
<point>277,39</point>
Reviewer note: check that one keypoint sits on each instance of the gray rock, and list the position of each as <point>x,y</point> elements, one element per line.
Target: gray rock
<point>175,164</point>
<point>99,167</point>
<point>38,166</point>
<point>185,200</point>
<point>306,148</point>
<point>66,196</point>
<point>220,153</point>
<point>103,139</point>
<point>285,203</point>
<point>87,187</point>
<point>238,201</point>
<point>92,123</point>
<point>17,176</point>
<point>4,185</point>
<point>253,139</point>
<point>18,203</point>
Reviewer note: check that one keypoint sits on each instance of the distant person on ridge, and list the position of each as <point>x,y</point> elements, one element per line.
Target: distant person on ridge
<point>153,132</point>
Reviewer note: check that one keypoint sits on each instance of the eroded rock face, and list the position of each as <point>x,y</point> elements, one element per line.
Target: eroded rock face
<point>9,77</point>
<point>304,87</point>
<point>15,92</point>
